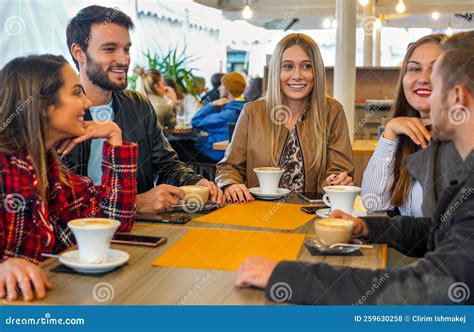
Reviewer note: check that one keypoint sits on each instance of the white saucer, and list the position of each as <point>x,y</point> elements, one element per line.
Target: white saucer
<point>281,193</point>
<point>116,258</point>
<point>324,213</point>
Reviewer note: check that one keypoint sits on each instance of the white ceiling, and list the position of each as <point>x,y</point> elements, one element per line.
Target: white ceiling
<point>277,14</point>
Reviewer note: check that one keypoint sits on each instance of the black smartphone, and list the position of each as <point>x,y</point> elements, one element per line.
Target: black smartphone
<point>312,197</point>
<point>180,220</point>
<point>312,209</point>
<point>138,240</point>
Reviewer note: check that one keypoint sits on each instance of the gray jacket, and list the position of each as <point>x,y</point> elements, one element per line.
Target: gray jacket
<point>443,274</point>
<point>434,167</point>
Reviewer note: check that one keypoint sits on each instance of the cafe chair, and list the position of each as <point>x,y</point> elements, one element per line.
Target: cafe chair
<point>230,128</point>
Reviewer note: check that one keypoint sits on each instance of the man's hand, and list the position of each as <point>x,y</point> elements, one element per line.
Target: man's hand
<point>29,277</point>
<point>215,193</point>
<point>360,227</point>
<point>255,271</point>
<point>159,199</point>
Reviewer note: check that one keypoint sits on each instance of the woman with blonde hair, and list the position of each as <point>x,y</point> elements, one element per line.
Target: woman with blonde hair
<point>42,107</point>
<point>153,85</point>
<point>389,181</point>
<point>296,127</point>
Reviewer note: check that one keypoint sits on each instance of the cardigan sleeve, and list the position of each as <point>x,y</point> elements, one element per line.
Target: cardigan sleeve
<point>378,177</point>
<point>232,168</point>
<point>115,197</point>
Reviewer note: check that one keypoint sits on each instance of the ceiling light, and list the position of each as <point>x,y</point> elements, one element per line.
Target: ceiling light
<point>449,31</point>
<point>378,24</point>
<point>400,8</point>
<point>247,12</point>
<point>326,23</point>
<point>363,3</point>
<point>435,15</point>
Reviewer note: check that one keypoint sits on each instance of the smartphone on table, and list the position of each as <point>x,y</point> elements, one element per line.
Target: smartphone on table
<point>312,208</point>
<point>312,197</point>
<point>138,240</point>
<point>163,219</point>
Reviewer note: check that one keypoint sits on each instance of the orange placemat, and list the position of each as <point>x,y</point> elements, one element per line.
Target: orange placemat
<point>278,215</point>
<point>218,249</point>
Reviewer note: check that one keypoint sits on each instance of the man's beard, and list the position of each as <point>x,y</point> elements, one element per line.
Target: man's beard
<point>439,131</point>
<point>99,77</point>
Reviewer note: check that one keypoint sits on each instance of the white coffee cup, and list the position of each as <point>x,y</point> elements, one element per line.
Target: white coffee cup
<point>197,195</point>
<point>331,231</point>
<point>341,197</point>
<point>93,236</point>
<point>269,179</point>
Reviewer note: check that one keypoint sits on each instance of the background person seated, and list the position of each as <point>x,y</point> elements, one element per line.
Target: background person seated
<point>214,93</point>
<point>214,116</point>
<point>153,85</point>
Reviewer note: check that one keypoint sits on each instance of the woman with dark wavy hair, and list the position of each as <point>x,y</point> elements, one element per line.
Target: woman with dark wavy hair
<point>42,106</point>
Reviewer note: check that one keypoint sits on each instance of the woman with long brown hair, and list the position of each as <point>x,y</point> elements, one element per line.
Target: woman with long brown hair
<point>296,127</point>
<point>42,106</point>
<point>387,183</point>
<point>153,85</point>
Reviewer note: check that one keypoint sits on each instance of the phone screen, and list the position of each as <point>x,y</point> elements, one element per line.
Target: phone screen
<point>312,197</point>
<point>310,209</point>
<point>143,240</point>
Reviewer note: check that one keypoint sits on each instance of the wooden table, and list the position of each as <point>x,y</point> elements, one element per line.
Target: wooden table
<point>364,147</point>
<point>220,146</point>
<point>141,283</point>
